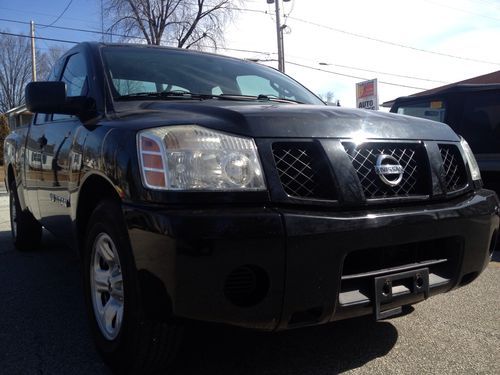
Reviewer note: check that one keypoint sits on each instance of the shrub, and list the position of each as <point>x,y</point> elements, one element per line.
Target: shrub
<point>4,131</point>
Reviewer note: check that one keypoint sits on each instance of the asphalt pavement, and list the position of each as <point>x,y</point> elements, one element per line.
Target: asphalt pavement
<point>43,329</point>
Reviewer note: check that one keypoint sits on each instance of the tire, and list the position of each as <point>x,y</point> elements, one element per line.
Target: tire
<point>26,231</point>
<point>127,342</point>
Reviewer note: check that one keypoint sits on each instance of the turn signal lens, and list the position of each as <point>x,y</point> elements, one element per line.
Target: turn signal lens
<point>152,162</point>
<point>148,144</point>
<point>155,178</point>
<point>471,160</point>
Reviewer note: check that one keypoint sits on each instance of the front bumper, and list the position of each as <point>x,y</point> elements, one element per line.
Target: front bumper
<point>278,268</point>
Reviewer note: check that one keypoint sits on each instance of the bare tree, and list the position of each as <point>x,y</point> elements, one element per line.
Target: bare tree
<point>47,59</point>
<point>15,68</point>
<point>329,98</point>
<point>4,131</point>
<point>181,23</point>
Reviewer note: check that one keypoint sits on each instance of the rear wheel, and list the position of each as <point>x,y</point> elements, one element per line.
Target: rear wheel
<point>26,231</point>
<point>128,342</point>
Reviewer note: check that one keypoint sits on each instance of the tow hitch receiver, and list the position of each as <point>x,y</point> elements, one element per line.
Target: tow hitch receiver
<point>389,287</point>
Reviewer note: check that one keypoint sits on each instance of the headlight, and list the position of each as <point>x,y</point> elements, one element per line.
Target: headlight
<point>471,160</point>
<point>190,157</point>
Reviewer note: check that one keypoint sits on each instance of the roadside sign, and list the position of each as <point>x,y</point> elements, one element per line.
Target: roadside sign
<point>367,94</point>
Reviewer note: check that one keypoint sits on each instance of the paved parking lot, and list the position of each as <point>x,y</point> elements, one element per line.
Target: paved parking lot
<point>43,329</point>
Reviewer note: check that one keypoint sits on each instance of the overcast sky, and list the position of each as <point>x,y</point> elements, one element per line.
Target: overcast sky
<point>340,34</point>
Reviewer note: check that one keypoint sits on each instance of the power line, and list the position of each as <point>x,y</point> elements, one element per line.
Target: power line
<point>74,42</point>
<point>126,36</point>
<point>392,43</point>
<point>315,61</point>
<point>289,62</point>
<point>329,28</point>
<point>231,49</point>
<point>352,76</point>
<point>70,28</point>
<point>462,10</point>
<point>250,10</point>
<point>240,50</point>
<point>388,42</point>
<point>385,73</point>
<point>60,15</point>
<point>39,37</point>
<point>235,50</point>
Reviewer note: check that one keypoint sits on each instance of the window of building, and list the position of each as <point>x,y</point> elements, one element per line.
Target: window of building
<point>430,109</point>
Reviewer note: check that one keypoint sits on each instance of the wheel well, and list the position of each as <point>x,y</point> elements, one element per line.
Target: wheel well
<point>94,190</point>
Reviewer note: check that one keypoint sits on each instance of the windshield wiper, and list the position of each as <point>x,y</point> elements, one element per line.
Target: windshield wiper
<point>174,95</point>
<point>159,95</point>
<point>178,94</point>
<point>260,97</point>
<point>274,98</point>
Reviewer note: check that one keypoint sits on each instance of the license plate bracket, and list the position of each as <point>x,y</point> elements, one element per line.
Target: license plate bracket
<point>389,287</point>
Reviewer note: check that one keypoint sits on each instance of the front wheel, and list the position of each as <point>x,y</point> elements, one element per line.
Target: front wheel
<point>128,342</point>
<point>26,231</point>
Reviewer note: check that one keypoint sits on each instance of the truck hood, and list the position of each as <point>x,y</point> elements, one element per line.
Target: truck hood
<point>278,120</point>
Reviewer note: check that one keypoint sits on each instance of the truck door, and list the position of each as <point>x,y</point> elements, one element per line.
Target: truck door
<point>55,139</point>
<point>33,164</point>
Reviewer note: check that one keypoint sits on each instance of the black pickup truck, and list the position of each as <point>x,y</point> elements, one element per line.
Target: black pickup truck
<point>202,187</point>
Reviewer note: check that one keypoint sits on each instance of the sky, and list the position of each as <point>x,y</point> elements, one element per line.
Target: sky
<point>407,45</point>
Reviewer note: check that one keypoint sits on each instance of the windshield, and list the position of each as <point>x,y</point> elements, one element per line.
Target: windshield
<point>429,109</point>
<point>144,72</point>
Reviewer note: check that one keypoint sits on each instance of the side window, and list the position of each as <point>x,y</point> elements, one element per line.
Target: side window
<point>75,77</point>
<point>55,72</point>
<point>481,122</point>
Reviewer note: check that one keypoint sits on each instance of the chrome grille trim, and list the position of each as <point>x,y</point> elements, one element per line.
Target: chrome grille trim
<point>411,156</point>
<point>453,172</point>
<point>295,170</point>
<point>303,170</point>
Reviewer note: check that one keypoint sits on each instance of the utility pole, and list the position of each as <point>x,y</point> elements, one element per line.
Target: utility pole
<point>102,21</point>
<point>33,54</point>
<point>279,35</point>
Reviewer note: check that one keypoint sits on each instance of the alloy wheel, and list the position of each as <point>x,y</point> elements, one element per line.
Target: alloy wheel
<point>106,286</point>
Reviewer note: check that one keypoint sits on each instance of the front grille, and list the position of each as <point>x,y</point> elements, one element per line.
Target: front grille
<point>303,170</point>
<point>410,156</point>
<point>453,170</point>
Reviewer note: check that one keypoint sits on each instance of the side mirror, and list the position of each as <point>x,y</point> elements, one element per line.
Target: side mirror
<point>50,97</point>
